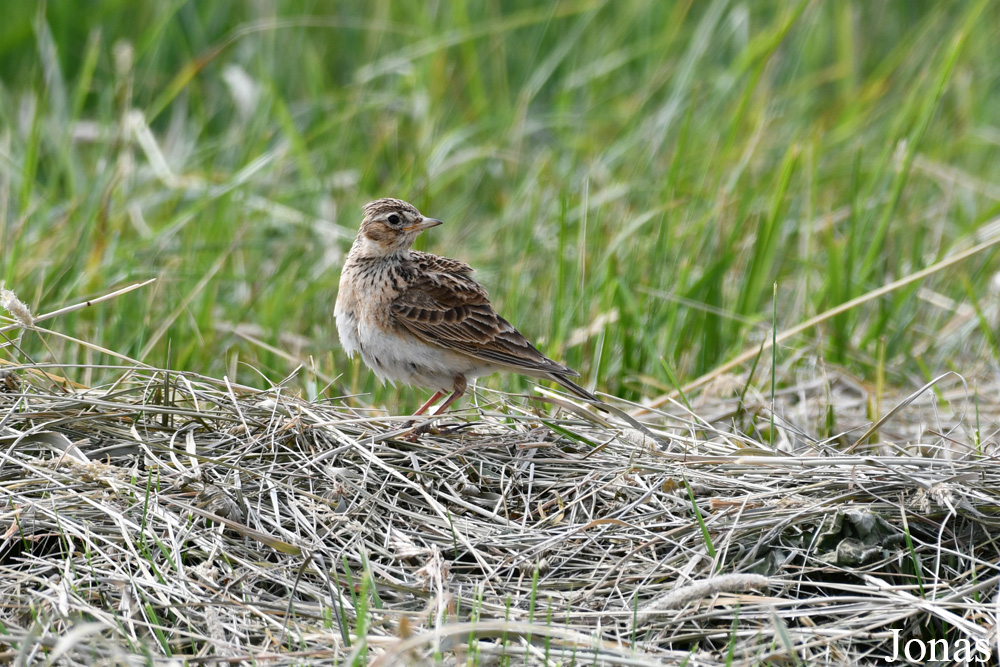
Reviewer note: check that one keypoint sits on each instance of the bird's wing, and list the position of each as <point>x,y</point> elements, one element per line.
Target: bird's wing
<point>445,306</point>
<point>428,263</point>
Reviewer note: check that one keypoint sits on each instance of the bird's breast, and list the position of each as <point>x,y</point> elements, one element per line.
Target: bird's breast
<point>364,299</point>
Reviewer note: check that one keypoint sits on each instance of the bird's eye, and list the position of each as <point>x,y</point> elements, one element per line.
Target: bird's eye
<point>393,219</point>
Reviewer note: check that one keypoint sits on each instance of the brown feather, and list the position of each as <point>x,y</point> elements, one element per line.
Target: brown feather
<point>444,306</point>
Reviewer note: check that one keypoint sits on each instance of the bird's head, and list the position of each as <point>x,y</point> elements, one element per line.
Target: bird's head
<point>390,226</point>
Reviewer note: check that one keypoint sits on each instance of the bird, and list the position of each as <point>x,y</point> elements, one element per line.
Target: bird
<point>422,319</point>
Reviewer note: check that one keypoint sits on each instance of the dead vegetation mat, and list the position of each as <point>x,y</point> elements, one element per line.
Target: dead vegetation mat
<point>170,516</point>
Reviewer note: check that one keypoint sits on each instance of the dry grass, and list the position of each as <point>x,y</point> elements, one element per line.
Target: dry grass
<point>170,514</point>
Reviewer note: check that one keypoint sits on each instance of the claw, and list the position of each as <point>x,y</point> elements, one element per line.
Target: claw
<point>414,433</point>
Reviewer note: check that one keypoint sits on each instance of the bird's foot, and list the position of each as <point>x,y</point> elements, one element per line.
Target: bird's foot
<point>414,433</point>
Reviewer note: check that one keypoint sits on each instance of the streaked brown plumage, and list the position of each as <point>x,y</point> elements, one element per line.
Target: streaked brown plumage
<point>422,319</point>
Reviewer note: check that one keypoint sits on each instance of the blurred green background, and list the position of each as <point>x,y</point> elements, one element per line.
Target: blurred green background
<point>629,178</point>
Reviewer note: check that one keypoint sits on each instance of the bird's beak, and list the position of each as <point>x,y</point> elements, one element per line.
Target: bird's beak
<point>425,223</point>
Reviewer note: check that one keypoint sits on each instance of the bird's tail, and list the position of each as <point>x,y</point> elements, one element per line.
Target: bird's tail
<point>602,406</point>
<point>574,387</point>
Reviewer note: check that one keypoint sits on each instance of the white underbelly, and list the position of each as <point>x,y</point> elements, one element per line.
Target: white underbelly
<point>406,359</point>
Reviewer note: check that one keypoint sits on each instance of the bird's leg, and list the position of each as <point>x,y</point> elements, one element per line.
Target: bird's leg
<point>457,390</point>
<point>423,408</point>
<point>429,403</point>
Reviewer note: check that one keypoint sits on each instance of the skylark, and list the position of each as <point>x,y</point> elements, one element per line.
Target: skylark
<point>423,319</point>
